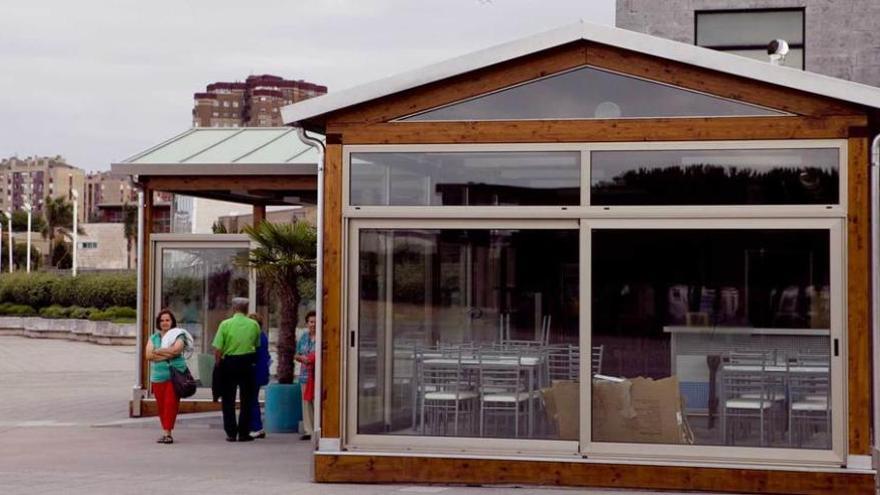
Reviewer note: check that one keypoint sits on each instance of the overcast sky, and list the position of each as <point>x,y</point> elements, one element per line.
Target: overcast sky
<point>97,81</point>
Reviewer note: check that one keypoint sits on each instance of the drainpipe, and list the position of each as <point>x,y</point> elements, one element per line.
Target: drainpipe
<point>319,283</point>
<point>875,288</point>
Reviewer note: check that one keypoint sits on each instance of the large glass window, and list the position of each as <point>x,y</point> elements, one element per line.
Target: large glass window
<point>197,283</point>
<point>468,332</point>
<point>713,337</point>
<point>715,177</point>
<point>748,32</point>
<point>465,178</point>
<point>591,93</point>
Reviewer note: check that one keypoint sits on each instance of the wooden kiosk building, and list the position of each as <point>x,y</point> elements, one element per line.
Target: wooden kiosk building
<point>598,258</point>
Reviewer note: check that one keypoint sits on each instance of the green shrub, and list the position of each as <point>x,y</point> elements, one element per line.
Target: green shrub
<point>55,311</point>
<point>41,290</point>
<point>11,309</point>
<point>82,313</point>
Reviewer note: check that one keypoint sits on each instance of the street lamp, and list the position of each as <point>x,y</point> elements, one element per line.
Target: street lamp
<point>75,236</point>
<point>9,233</point>
<point>28,208</point>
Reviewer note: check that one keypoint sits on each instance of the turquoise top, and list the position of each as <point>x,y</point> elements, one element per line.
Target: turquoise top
<point>237,336</point>
<point>160,371</point>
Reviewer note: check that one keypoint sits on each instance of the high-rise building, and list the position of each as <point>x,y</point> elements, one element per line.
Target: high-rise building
<point>35,179</point>
<point>256,102</point>
<point>831,37</point>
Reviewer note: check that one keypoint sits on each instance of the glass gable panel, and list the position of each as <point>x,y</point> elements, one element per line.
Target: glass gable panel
<point>589,93</point>
<point>715,177</point>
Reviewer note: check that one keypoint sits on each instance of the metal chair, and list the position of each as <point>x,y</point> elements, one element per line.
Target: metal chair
<point>750,394</point>
<point>445,392</point>
<point>809,412</point>
<point>596,354</point>
<point>503,389</point>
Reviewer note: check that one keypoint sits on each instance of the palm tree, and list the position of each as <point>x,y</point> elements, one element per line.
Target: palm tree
<point>130,229</point>
<point>284,254</point>
<point>59,221</point>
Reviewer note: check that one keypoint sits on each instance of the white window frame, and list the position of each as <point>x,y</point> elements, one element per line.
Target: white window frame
<point>838,378</point>
<point>585,209</point>
<point>588,217</point>
<point>373,442</point>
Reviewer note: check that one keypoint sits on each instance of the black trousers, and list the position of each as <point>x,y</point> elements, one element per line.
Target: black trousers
<point>238,373</point>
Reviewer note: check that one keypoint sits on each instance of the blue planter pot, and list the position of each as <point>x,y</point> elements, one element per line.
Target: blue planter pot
<point>283,408</point>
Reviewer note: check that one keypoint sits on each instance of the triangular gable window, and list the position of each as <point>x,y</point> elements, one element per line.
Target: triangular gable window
<point>590,93</point>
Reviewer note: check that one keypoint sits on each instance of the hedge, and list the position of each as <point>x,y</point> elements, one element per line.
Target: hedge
<point>90,290</point>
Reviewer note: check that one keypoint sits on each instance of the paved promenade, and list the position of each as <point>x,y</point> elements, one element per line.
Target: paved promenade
<point>64,428</point>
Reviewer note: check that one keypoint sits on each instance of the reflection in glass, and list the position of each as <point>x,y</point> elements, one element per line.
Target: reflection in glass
<point>465,178</point>
<point>712,337</point>
<point>590,93</point>
<point>198,285</point>
<point>715,177</point>
<point>460,330</point>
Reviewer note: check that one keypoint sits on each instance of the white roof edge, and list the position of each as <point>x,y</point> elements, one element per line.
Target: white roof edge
<point>639,42</point>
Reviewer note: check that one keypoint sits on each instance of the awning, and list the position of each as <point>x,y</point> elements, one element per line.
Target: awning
<point>256,165</point>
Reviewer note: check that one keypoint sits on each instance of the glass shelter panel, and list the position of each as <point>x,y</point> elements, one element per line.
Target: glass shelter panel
<point>715,177</point>
<point>197,284</point>
<point>713,337</point>
<point>590,93</point>
<point>459,330</point>
<point>465,178</point>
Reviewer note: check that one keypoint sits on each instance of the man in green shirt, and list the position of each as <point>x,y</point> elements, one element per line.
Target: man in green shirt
<point>235,349</point>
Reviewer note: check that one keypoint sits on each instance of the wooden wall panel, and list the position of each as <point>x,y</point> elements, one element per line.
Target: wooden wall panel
<point>145,290</point>
<point>388,469</point>
<point>858,297</point>
<point>233,182</point>
<point>332,321</point>
<point>715,83</point>
<point>683,129</point>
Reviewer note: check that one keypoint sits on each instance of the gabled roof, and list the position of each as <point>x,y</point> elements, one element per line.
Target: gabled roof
<point>218,151</point>
<point>638,42</point>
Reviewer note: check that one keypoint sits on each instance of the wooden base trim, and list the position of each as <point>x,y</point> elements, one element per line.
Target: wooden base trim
<point>391,469</point>
<point>149,408</point>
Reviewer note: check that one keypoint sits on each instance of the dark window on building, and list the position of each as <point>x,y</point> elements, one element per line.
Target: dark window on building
<point>748,32</point>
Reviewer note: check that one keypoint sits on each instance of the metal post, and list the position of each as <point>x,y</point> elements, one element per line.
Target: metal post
<point>139,373</point>
<point>75,225</point>
<point>28,207</point>
<point>9,233</point>
<point>319,285</point>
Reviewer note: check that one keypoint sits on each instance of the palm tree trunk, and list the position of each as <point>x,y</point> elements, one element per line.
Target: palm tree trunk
<point>287,332</point>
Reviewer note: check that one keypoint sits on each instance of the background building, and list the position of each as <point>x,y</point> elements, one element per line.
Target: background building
<point>234,223</point>
<point>38,178</point>
<point>103,246</point>
<point>105,196</point>
<point>253,103</point>
<point>835,38</point>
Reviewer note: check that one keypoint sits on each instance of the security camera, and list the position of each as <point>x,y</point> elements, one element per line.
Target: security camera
<point>777,49</point>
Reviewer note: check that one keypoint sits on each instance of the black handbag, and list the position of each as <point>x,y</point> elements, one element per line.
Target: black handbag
<point>183,382</point>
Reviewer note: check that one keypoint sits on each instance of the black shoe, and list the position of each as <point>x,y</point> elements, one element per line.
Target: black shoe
<point>258,434</point>
<point>231,439</point>
<point>245,439</point>
<point>305,437</point>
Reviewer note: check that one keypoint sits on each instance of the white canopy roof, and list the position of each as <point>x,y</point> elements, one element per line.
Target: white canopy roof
<point>225,151</point>
<point>622,38</point>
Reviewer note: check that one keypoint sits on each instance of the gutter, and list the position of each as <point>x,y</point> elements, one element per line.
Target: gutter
<point>319,284</point>
<point>875,291</point>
